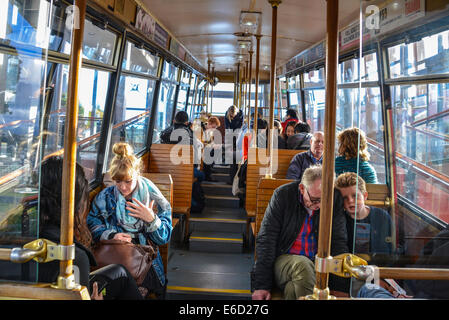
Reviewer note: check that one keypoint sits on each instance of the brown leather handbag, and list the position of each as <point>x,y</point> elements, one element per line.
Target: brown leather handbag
<point>136,258</point>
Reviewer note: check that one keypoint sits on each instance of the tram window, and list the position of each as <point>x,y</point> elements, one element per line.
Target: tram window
<point>421,117</point>
<point>132,112</point>
<point>315,101</point>
<point>23,26</point>
<point>185,77</point>
<point>348,71</point>
<point>169,71</point>
<point>165,107</point>
<point>223,97</point>
<point>294,93</point>
<point>139,60</point>
<point>314,78</point>
<point>367,116</point>
<point>426,56</point>
<point>92,100</point>
<point>20,104</point>
<point>182,98</point>
<point>98,44</point>
<point>192,92</point>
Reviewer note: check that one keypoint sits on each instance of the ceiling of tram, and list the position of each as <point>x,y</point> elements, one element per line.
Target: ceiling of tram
<point>206,27</point>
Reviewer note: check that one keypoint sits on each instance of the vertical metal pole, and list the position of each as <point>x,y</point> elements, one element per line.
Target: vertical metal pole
<point>274,4</point>
<point>238,86</point>
<point>321,290</point>
<point>256,97</point>
<point>250,79</point>
<point>66,278</point>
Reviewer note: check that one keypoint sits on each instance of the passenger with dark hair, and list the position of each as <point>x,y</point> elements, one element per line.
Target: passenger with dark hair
<point>116,280</point>
<point>301,161</point>
<point>291,115</point>
<point>184,133</point>
<point>353,154</point>
<point>127,212</point>
<point>281,141</point>
<point>289,130</point>
<point>287,242</point>
<point>300,140</point>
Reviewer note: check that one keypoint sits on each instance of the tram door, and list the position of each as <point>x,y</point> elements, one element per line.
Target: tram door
<point>27,31</point>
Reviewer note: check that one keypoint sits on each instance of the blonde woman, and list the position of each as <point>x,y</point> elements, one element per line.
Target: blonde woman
<point>125,212</point>
<point>350,153</point>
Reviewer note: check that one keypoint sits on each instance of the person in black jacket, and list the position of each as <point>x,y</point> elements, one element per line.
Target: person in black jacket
<point>183,134</point>
<point>287,242</point>
<point>301,161</point>
<point>115,278</point>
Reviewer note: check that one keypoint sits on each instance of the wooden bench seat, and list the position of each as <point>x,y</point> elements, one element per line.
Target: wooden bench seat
<point>159,161</point>
<point>255,173</point>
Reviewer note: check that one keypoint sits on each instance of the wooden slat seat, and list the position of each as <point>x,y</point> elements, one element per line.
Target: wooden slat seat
<point>265,191</point>
<point>164,183</point>
<point>254,172</point>
<point>160,161</point>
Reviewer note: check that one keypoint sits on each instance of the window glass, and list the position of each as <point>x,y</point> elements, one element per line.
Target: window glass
<point>23,26</point>
<point>139,60</point>
<point>314,78</point>
<point>421,115</point>
<point>424,57</point>
<point>164,109</point>
<point>294,93</point>
<point>314,102</point>
<point>92,100</point>
<point>169,71</point>
<point>132,112</point>
<point>367,116</point>
<point>185,77</point>
<point>348,71</point>
<point>98,44</point>
<point>182,98</point>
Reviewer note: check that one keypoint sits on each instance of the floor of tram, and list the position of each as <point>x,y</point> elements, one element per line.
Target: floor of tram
<point>216,261</point>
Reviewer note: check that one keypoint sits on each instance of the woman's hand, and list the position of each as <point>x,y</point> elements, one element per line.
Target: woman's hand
<point>95,294</point>
<point>122,237</point>
<point>139,210</point>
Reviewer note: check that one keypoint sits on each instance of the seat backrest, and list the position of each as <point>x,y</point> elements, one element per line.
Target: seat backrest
<point>176,160</point>
<point>164,183</point>
<point>253,174</point>
<point>265,191</point>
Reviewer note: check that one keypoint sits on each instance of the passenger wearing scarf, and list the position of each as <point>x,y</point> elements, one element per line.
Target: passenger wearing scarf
<point>125,212</point>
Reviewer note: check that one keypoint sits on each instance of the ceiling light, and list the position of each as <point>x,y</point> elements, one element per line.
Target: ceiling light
<point>250,19</point>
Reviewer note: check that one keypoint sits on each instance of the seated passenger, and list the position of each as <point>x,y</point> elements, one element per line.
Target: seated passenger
<point>119,282</point>
<point>287,242</point>
<point>300,140</point>
<point>349,154</point>
<point>125,212</point>
<point>280,139</point>
<point>291,115</point>
<point>373,227</point>
<point>210,145</point>
<point>184,132</point>
<point>289,130</point>
<point>233,118</point>
<point>301,161</point>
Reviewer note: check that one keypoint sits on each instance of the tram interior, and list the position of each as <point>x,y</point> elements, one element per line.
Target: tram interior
<point>145,60</point>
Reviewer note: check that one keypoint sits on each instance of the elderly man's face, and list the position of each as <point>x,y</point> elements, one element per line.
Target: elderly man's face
<point>317,145</point>
<point>311,195</point>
